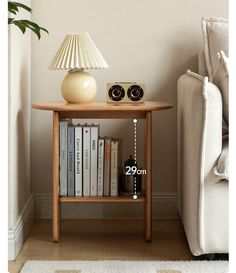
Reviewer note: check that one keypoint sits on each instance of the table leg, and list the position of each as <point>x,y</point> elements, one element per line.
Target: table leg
<point>148,203</point>
<point>56,205</point>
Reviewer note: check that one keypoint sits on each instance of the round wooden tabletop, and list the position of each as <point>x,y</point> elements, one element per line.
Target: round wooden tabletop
<point>101,106</point>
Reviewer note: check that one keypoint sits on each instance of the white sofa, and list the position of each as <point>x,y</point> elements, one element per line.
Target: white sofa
<point>202,192</point>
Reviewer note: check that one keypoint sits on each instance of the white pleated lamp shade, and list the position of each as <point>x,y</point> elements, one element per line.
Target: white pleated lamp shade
<point>78,51</point>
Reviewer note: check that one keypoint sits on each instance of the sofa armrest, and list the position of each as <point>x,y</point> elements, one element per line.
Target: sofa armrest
<point>199,144</point>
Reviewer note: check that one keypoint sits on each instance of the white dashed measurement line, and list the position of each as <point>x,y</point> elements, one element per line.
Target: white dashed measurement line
<point>135,121</point>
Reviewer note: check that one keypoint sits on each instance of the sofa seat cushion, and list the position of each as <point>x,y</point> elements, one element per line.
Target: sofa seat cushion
<point>222,168</point>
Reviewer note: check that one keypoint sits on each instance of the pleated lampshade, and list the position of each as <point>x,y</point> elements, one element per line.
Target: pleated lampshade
<point>78,51</point>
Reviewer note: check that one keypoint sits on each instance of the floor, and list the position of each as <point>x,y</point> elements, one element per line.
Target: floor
<point>104,240</point>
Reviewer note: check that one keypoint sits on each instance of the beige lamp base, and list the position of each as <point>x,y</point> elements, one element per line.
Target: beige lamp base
<point>78,86</point>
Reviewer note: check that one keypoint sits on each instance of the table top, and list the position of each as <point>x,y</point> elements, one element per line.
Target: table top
<point>102,106</point>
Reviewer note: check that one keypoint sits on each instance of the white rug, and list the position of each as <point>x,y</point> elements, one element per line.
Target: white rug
<point>125,267</point>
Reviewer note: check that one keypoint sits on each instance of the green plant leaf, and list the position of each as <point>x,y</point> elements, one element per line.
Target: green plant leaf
<point>12,11</point>
<point>44,29</point>
<point>20,5</point>
<point>10,20</point>
<point>24,24</point>
<point>12,8</point>
<point>20,25</point>
<point>34,25</point>
<point>36,31</point>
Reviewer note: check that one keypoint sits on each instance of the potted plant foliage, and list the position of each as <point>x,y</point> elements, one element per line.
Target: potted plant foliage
<point>13,8</point>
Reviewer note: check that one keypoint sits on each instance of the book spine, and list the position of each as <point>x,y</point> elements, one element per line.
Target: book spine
<point>100,166</point>
<point>107,167</point>
<point>86,161</point>
<point>78,161</point>
<point>63,158</point>
<point>94,160</point>
<point>71,161</point>
<point>114,168</point>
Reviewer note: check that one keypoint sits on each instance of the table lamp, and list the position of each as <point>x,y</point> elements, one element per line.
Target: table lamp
<point>77,53</point>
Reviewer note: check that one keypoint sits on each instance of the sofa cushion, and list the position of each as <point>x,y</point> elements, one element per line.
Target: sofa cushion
<point>221,79</point>
<point>222,168</point>
<point>215,35</point>
<point>202,69</point>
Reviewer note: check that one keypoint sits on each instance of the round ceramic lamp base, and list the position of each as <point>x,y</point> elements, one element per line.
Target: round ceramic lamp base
<point>78,86</point>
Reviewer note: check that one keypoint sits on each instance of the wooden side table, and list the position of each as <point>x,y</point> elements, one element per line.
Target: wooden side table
<point>102,111</point>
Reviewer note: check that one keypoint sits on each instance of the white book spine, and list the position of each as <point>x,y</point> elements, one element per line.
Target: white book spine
<point>86,160</point>
<point>94,160</point>
<point>71,160</point>
<point>63,158</point>
<point>78,161</point>
<point>100,166</point>
<point>114,168</point>
<point>107,166</point>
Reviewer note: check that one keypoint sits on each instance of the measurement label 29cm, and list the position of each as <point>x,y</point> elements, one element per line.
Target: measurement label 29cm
<point>134,170</point>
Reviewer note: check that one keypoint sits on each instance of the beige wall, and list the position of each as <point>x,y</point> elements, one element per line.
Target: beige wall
<point>150,41</point>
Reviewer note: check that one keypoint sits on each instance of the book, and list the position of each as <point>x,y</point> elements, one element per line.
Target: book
<point>78,160</point>
<point>107,161</point>
<point>100,166</point>
<point>94,160</point>
<point>114,167</point>
<point>86,160</point>
<point>71,160</point>
<point>63,158</point>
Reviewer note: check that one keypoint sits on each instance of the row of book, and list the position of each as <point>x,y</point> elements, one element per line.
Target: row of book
<point>89,164</point>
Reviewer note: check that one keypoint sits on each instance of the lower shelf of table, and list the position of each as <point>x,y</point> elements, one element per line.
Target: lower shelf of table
<point>103,199</point>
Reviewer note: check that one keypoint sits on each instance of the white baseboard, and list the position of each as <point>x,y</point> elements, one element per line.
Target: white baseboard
<point>17,234</point>
<point>164,206</point>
